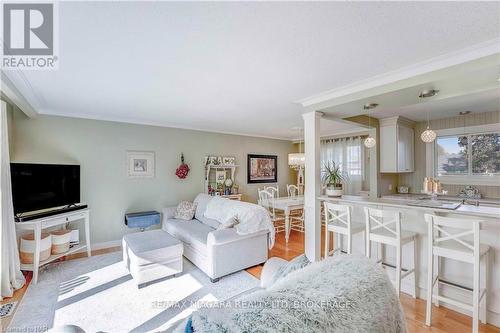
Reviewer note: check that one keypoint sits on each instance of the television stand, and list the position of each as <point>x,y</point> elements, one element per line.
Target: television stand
<point>61,219</point>
<point>48,213</point>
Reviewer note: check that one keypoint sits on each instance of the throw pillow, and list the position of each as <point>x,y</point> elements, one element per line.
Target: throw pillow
<point>228,224</point>
<point>185,210</point>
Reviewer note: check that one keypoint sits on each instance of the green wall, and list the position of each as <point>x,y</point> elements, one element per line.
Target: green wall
<point>100,148</point>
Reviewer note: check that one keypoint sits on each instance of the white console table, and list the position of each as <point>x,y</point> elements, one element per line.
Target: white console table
<point>37,225</point>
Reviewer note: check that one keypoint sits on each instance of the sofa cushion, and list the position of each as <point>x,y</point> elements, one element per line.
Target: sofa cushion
<point>192,232</point>
<point>201,202</point>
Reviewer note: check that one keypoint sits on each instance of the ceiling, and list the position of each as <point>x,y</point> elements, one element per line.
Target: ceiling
<point>238,67</point>
<point>473,87</point>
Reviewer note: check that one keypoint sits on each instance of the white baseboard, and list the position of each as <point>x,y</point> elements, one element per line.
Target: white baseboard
<point>103,245</point>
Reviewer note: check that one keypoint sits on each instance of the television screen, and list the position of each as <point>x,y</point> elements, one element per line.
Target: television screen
<point>40,186</point>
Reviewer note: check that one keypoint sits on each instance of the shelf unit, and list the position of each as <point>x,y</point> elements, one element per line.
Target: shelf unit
<point>210,170</point>
<point>37,225</point>
<point>74,249</point>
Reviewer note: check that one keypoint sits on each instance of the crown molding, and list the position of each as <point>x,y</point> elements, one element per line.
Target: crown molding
<point>137,121</point>
<point>14,96</point>
<point>475,52</point>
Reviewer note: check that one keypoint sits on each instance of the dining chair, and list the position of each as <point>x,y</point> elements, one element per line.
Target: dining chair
<point>292,190</point>
<point>267,200</point>
<point>275,190</point>
<point>296,216</point>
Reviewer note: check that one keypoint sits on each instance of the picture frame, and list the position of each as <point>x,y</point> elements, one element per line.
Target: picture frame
<point>141,164</point>
<point>262,168</point>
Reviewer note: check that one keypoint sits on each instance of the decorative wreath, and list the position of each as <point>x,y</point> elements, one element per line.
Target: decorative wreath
<point>183,169</point>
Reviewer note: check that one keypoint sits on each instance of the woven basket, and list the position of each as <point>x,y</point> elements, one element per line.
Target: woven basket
<point>27,248</point>
<point>60,241</point>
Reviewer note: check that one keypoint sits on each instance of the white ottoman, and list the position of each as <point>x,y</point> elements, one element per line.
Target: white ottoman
<point>152,255</point>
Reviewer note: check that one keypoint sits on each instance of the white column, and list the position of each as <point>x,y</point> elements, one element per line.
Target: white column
<point>312,185</point>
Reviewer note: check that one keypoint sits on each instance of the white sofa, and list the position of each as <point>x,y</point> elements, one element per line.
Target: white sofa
<point>215,252</point>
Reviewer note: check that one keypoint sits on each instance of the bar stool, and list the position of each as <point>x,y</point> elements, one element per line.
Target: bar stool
<point>338,221</point>
<point>384,228</point>
<point>450,243</point>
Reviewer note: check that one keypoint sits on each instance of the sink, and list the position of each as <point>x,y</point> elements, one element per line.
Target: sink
<point>442,204</point>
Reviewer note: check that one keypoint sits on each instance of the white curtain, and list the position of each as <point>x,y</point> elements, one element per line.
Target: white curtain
<point>11,276</point>
<point>348,153</point>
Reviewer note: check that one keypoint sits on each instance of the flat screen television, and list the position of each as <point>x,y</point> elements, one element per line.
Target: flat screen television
<point>41,186</point>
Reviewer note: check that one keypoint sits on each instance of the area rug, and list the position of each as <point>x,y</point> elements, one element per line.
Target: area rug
<point>99,295</point>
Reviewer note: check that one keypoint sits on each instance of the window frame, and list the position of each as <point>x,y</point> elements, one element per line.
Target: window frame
<point>463,179</point>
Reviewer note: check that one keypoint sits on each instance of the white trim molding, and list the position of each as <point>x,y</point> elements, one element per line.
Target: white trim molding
<point>411,75</point>
<point>430,154</point>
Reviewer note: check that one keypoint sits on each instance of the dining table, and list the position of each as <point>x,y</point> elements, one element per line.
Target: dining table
<point>287,205</point>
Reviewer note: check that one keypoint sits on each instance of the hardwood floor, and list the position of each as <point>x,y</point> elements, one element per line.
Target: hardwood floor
<point>444,320</point>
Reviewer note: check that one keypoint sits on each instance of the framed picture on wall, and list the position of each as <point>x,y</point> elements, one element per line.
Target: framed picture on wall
<point>141,164</point>
<point>262,168</point>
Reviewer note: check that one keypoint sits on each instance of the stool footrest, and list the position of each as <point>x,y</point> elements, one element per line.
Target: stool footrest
<point>408,272</point>
<point>453,302</point>
<point>393,266</point>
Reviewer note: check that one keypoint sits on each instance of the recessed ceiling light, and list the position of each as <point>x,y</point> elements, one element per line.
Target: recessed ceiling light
<point>428,93</point>
<point>369,106</point>
<point>463,113</point>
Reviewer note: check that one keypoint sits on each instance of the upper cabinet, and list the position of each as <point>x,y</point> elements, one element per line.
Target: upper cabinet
<point>396,145</point>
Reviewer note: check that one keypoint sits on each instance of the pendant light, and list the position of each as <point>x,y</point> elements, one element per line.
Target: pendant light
<point>370,141</point>
<point>464,140</point>
<point>428,135</point>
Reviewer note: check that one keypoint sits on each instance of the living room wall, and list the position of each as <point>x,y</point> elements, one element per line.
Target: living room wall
<point>100,149</point>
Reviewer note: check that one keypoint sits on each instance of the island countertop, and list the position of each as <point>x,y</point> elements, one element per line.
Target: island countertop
<point>464,209</point>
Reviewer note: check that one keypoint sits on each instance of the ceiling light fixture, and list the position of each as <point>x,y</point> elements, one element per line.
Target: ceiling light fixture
<point>369,106</point>
<point>370,141</point>
<point>428,93</point>
<point>464,140</point>
<point>428,135</point>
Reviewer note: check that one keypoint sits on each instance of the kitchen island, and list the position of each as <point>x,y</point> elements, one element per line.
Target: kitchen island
<point>413,210</point>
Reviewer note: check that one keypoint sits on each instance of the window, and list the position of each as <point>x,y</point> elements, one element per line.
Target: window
<point>452,155</point>
<point>468,155</point>
<point>485,153</point>
<point>348,153</point>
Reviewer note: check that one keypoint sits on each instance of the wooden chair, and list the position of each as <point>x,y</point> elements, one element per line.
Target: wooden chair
<point>452,243</point>
<point>338,220</point>
<point>292,190</point>
<point>266,199</point>
<point>296,216</point>
<point>384,228</point>
<point>275,190</point>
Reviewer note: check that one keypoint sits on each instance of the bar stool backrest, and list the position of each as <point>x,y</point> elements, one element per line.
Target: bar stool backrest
<point>337,213</point>
<point>383,220</point>
<point>457,230</point>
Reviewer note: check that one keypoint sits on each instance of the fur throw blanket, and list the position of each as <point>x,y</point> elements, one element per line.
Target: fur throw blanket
<point>339,294</point>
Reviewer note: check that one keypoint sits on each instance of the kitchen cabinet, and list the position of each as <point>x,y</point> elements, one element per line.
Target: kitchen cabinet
<point>396,145</point>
